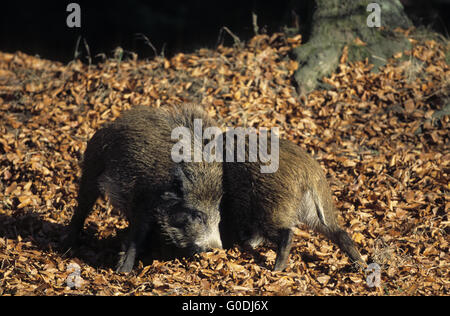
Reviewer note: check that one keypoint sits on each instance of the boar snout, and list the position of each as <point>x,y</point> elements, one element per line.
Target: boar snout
<point>212,240</point>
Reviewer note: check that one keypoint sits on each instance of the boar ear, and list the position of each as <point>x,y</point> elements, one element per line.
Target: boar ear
<point>181,180</point>
<point>171,198</point>
<point>175,195</point>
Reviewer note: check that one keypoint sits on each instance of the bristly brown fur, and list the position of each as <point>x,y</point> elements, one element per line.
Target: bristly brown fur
<point>129,160</point>
<point>266,206</point>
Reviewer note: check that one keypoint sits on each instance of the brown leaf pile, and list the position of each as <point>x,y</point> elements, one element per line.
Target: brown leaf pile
<point>386,155</point>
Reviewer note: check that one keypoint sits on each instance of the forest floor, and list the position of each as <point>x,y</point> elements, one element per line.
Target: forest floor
<point>382,138</point>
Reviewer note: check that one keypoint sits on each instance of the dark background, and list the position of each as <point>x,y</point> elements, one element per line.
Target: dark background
<point>39,27</point>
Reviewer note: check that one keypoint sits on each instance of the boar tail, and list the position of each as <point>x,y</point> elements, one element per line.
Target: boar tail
<point>327,224</point>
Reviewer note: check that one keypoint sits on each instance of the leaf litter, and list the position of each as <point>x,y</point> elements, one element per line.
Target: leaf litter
<point>378,136</point>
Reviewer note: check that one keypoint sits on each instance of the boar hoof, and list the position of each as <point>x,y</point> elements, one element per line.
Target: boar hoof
<point>279,266</point>
<point>126,261</point>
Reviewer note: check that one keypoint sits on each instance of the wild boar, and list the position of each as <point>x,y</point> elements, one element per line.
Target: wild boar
<point>258,207</point>
<point>130,161</point>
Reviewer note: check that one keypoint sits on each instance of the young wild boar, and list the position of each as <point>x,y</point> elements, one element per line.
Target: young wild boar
<point>130,161</point>
<point>259,207</point>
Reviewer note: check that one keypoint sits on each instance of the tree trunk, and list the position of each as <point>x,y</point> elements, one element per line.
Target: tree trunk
<point>337,23</point>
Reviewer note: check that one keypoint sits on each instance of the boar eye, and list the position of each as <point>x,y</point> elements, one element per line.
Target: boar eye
<point>185,216</point>
<point>198,216</point>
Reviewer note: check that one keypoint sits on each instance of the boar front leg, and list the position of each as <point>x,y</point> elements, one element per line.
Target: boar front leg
<point>139,229</point>
<point>134,242</point>
<point>126,261</point>
<point>283,249</point>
